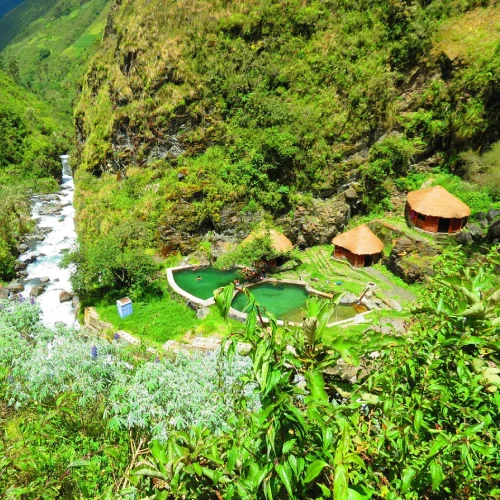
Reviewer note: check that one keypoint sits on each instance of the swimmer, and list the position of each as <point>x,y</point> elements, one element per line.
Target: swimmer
<point>198,278</point>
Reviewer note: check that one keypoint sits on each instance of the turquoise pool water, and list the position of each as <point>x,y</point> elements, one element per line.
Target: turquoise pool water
<point>287,301</point>
<point>211,279</point>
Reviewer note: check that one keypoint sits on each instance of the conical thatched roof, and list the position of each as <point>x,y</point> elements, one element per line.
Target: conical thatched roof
<point>360,241</point>
<point>437,202</point>
<point>279,242</point>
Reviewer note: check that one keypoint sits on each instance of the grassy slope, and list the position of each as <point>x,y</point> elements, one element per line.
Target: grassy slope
<point>272,99</point>
<point>52,45</point>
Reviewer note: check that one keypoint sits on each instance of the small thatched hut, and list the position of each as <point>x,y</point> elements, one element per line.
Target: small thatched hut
<point>279,242</point>
<point>279,246</point>
<point>436,210</point>
<point>359,246</point>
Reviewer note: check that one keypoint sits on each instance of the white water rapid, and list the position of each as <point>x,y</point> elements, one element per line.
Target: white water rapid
<point>54,216</point>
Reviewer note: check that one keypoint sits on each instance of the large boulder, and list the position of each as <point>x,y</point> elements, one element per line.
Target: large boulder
<point>494,232</point>
<point>411,260</point>
<point>492,214</point>
<point>463,238</point>
<point>65,296</point>
<point>15,287</point>
<point>37,290</point>
<point>317,223</point>
<point>4,293</point>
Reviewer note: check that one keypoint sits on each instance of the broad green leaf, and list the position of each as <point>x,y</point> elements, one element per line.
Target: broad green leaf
<point>407,478</point>
<point>436,475</point>
<point>288,446</point>
<point>340,482</point>
<point>314,469</point>
<point>286,478</point>
<point>316,385</point>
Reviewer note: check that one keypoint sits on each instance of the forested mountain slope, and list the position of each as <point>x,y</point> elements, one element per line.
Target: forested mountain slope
<point>46,43</point>
<point>233,107</point>
<point>30,144</point>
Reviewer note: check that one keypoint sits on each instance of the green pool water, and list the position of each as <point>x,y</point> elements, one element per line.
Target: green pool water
<point>284,300</point>
<point>211,279</point>
<point>287,301</point>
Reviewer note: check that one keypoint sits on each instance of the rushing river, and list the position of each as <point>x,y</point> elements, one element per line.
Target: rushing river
<point>54,216</point>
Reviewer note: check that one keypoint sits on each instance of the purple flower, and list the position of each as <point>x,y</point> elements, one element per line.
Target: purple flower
<point>93,352</point>
<point>116,336</point>
<point>32,301</point>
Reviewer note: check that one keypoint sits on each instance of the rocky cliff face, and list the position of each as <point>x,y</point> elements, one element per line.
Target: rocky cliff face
<point>234,111</point>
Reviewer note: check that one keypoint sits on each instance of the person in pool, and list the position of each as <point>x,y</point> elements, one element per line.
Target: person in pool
<point>198,278</point>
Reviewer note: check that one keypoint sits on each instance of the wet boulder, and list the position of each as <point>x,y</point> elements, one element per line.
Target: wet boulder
<point>65,296</point>
<point>15,287</point>
<point>37,290</point>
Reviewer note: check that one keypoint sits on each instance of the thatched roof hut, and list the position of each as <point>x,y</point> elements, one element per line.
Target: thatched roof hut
<point>436,210</point>
<point>359,246</point>
<point>279,242</point>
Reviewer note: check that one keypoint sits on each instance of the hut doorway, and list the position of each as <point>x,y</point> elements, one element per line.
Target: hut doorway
<point>443,225</point>
<point>368,260</point>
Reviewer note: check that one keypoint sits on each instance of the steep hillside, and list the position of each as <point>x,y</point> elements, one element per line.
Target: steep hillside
<point>7,5</point>
<point>221,111</point>
<point>30,145</point>
<point>46,44</point>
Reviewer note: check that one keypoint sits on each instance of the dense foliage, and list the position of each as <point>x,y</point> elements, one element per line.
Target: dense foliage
<point>419,419</point>
<point>71,404</point>
<point>250,105</point>
<point>45,44</point>
<point>30,145</point>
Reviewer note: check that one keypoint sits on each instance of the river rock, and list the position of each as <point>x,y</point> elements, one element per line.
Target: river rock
<point>44,279</point>
<point>37,290</point>
<point>15,287</point>
<point>4,293</point>
<point>494,232</point>
<point>463,238</point>
<point>475,231</point>
<point>65,296</point>
<point>202,313</point>
<point>492,214</point>
<point>23,247</point>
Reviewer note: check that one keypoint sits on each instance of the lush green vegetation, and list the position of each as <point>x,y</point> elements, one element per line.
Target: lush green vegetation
<point>268,99</point>
<point>45,45</point>
<point>30,145</point>
<point>420,419</point>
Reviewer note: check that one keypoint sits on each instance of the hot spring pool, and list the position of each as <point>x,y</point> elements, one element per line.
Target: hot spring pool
<point>287,302</point>
<point>211,279</point>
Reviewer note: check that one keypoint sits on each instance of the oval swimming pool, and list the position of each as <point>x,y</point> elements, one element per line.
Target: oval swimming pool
<point>202,282</point>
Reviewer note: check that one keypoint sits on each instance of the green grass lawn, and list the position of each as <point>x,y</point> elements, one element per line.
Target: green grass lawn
<point>159,320</point>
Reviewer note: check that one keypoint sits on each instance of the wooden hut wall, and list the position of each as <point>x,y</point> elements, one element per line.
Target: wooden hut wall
<point>457,224</point>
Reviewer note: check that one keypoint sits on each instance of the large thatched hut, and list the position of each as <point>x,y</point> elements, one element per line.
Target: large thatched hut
<point>436,210</point>
<point>359,246</point>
